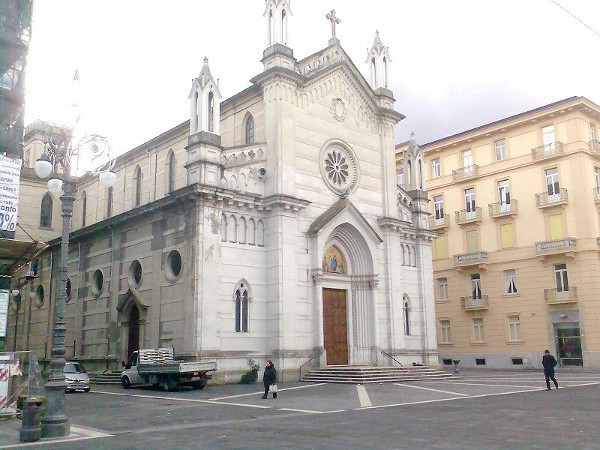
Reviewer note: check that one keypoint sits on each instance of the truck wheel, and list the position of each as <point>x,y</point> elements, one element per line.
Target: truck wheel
<point>125,382</point>
<point>199,384</point>
<point>171,384</point>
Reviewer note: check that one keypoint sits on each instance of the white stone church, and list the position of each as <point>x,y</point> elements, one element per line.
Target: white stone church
<point>268,226</point>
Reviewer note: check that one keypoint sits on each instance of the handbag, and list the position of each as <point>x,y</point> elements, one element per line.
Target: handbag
<point>273,389</point>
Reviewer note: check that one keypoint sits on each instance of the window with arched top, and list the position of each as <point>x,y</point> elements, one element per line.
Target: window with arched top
<point>270,27</point>
<point>241,297</point>
<point>137,178</point>
<point>283,27</point>
<point>414,259</point>
<point>373,73</point>
<point>250,130</point>
<point>223,228</point>
<point>260,234</point>
<point>409,175</point>
<point>211,112</point>
<point>109,201</point>
<point>46,211</point>
<point>172,164</point>
<point>385,72</point>
<point>406,314</point>
<point>231,228</point>
<point>242,231</point>
<point>83,208</point>
<point>420,166</point>
<point>251,232</point>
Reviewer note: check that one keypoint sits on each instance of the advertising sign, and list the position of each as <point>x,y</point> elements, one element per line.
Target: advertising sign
<point>10,171</point>
<point>3,311</point>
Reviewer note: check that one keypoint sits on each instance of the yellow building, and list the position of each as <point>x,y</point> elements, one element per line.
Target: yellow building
<point>516,263</point>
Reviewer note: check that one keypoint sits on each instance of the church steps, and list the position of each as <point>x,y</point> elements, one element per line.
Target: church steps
<point>112,377</point>
<point>366,374</point>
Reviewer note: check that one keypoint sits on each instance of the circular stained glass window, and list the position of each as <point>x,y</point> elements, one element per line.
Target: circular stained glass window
<point>339,167</point>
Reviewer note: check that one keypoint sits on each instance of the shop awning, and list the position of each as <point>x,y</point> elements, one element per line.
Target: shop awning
<point>15,254</point>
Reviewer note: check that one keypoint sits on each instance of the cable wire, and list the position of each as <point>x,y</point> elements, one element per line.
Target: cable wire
<point>575,17</point>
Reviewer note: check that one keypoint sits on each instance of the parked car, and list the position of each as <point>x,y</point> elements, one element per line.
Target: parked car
<point>76,377</point>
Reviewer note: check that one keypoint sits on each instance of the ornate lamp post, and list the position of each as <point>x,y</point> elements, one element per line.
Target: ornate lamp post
<point>60,150</point>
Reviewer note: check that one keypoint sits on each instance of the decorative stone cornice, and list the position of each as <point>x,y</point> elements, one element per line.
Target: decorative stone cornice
<point>285,202</point>
<point>204,137</point>
<point>278,73</point>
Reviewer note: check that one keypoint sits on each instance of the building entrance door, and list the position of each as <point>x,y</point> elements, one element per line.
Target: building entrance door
<point>133,341</point>
<point>568,339</point>
<point>335,326</point>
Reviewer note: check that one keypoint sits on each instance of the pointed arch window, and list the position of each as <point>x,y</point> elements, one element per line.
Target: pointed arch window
<point>250,130</point>
<point>406,314</point>
<point>385,72</point>
<point>260,234</point>
<point>251,232</point>
<point>83,208</point>
<point>172,163</point>
<point>231,228</point>
<point>109,201</point>
<point>241,299</point>
<point>271,33</point>
<point>283,27</point>
<point>211,112</point>
<point>242,231</point>
<point>138,186</point>
<point>223,228</point>
<point>373,73</point>
<point>46,211</point>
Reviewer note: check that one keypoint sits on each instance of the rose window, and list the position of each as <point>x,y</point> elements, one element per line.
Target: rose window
<point>339,167</point>
<point>336,168</point>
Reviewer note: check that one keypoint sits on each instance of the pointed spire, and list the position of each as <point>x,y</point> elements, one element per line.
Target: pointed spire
<point>378,58</point>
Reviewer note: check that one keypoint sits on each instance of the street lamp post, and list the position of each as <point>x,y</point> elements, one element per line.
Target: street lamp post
<point>56,160</point>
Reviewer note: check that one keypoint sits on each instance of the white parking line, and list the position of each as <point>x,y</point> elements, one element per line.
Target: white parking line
<point>431,389</point>
<point>363,396</point>
<point>261,392</point>
<point>481,384</point>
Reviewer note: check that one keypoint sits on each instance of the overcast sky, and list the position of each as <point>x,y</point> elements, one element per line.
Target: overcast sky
<point>455,64</point>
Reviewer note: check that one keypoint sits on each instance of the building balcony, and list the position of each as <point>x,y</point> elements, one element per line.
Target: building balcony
<point>441,223</point>
<point>471,303</point>
<point>556,246</point>
<point>465,173</point>
<point>463,216</point>
<point>503,209</point>
<point>470,259</point>
<point>594,147</point>
<point>545,200</point>
<point>556,297</point>
<point>547,151</point>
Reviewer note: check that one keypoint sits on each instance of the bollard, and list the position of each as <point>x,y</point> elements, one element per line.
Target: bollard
<point>455,362</point>
<point>31,429</point>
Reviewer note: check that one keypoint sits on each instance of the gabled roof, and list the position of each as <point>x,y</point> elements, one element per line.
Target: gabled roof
<point>335,210</point>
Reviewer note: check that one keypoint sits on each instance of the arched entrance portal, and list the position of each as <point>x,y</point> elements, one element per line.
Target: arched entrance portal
<point>133,341</point>
<point>345,283</point>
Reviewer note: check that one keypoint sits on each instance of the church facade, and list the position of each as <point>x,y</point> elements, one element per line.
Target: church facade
<point>268,226</point>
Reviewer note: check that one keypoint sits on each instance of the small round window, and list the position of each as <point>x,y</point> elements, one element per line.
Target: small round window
<point>173,269</point>
<point>135,274</point>
<point>39,296</point>
<point>97,283</point>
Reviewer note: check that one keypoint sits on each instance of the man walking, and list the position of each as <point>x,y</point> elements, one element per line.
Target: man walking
<point>549,363</point>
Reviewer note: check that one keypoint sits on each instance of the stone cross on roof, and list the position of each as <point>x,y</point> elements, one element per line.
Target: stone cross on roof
<point>334,20</point>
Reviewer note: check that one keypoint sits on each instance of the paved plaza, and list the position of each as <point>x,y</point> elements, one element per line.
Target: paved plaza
<point>481,409</point>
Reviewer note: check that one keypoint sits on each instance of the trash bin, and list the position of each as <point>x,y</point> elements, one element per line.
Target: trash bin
<point>455,362</point>
<point>31,428</point>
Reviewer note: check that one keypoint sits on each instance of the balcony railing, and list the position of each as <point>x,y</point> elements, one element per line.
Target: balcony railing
<point>463,216</point>
<point>547,151</point>
<point>555,246</point>
<point>465,173</point>
<point>594,146</point>
<point>471,303</point>
<point>442,222</point>
<point>556,297</point>
<point>545,200</point>
<point>502,209</point>
<point>470,259</point>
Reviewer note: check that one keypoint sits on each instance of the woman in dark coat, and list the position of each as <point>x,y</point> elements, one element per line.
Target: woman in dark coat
<point>269,378</point>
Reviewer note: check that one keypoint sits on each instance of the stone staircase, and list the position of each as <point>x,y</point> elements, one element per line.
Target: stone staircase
<point>110,377</point>
<point>372,374</point>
